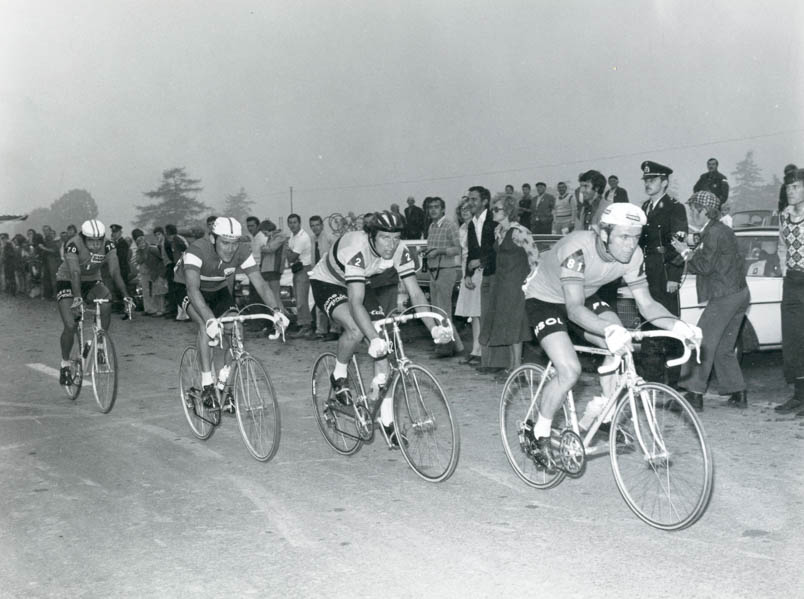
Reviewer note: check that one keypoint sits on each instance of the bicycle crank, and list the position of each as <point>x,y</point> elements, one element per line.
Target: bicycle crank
<point>571,453</point>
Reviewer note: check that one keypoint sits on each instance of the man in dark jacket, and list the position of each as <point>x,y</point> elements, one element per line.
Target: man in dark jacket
<point>616,193</point>
<point>414,220</point>
<point>713,181</point>
<point>541,220</point>
<point>667,219</point>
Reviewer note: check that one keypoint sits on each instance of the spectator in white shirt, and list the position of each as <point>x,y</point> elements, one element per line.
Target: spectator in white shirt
<point>321,240</point>
<point>300,258</point>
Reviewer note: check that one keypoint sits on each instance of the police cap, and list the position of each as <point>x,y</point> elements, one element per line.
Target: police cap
<point>654,169</point>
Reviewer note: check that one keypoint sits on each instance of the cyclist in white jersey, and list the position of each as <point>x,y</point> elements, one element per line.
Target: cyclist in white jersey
<point>562,291</point>
<point>340,289</point>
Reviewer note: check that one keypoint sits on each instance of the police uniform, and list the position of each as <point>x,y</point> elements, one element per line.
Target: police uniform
<point>666,219</point>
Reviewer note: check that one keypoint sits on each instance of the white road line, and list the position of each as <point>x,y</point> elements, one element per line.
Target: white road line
<point>48,370</point>
<point>288,525</point>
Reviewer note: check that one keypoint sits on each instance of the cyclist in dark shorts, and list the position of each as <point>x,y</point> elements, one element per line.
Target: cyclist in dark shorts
<point>339,284</point>
<point>561,292</point>
<point>204,279</point>
<point>78,279</point>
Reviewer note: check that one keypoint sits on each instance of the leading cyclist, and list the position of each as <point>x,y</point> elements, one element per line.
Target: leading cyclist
<point>79,279</point>
<point>340,289</point>
<point>562,290</point>
<point>204,276</point>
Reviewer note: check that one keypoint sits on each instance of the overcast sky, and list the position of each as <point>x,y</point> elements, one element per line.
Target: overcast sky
<point>359,104</point>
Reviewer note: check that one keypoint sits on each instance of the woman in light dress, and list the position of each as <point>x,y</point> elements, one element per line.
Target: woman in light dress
<point>468,304</point>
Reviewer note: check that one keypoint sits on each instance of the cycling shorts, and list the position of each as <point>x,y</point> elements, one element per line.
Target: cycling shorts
<point>328,296</point>
<point>547,318</point>
<point>219,301</point>
<point>90,290</point>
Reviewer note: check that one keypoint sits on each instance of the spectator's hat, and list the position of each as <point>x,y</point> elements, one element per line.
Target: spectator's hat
<point>790,168</point>
<point>793,176</point>
<point>654,169</point>
<point>705,199</point>
<point>115,228</point>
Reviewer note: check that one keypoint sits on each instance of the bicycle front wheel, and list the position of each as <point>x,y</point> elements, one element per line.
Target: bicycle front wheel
<point>517,395</point>
<point>76,370</point>
<point>336,424</point>
<point>660,459</point>
<point>425,428</point>
<point>257,409</point>
<point>200,418</point>
<point>103,368</point>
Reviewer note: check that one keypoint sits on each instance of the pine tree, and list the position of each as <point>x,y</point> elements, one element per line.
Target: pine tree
<point>238,206</point>
<point>176,202</point>
<point>746,193</point>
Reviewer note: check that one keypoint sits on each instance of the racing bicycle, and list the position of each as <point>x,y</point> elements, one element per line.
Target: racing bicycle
<point>660,458</point>
<point>93,353</point>
<point>425,428</point>
<point>243,386</point>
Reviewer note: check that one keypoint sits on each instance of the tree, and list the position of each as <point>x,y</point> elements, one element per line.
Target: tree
<point>746,193</point>
<point>238,206</point>
<point>176,201</point>
<point>72,208</point>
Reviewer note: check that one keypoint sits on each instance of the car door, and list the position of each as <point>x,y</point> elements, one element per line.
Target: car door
<point>764,278</point>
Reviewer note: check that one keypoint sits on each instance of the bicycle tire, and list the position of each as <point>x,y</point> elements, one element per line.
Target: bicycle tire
<point>73,390</point>
<point>103,370</point>
<point>515,400</point>
<point>667,478</point>
<point>198,417</point>
<point>338,429</point>
<point>425,427</point>
<point>257,409</point>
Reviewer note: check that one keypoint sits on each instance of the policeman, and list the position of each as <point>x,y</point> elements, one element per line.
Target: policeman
<point>663,265</point>
<point>714,181</point>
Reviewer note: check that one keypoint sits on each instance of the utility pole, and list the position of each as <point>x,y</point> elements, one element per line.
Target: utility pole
<point>291,199</point>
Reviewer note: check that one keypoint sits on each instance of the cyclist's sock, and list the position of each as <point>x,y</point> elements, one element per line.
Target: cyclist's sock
<point>378,381</point>
<point>542,427</point>
<point>341,370</point>
<point>207,379</point>
<point>65,363</point>
<point>387,411</point>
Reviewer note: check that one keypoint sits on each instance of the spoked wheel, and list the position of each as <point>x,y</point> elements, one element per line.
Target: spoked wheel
<point>76,370</point>
<point>200,418</point>
<point>660,458</point>
<point>517,436</point>
<point>425,428</point>
<point>337,423</point>
<point>103,368</point>
<point>257,409</point>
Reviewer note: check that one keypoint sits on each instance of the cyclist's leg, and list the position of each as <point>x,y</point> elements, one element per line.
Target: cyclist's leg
<point>201,339</point>
<point>377,303</point>
<point>332,299</point>
<point>64,299</point>
<point>608,382</point>
<point>95,291</point>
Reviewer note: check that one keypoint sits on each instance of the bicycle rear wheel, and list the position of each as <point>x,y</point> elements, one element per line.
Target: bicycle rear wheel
<point>103,368</point>
<point>337,426</point>
<point>76,370</point>
<point>661,462</point>
<point>516,398</point>
<point>257,409</point>
<point>200,418</point>
<point>425,428</point>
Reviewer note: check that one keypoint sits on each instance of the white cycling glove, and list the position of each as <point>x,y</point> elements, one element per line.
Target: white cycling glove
<point>281,321</point>
<point>441,335</point>
<point>378,348</point>
<point>77,301</point>
<point>214,330</point>
<point>618,339</point>
<point>690,332</point>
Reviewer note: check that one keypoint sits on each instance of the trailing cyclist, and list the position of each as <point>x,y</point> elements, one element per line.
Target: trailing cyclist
<point>341,288</point>
<point>562,292</point>
<point>205,276</point>
<point>79,279</point>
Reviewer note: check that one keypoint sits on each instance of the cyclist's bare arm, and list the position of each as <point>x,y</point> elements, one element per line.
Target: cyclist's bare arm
<point>114,270</point>
<point>356,291</point>
<point>264,290</point>
<point>578,313</point>
<point>418,299</point>
<point>651,310</point>
<point>192,280</point>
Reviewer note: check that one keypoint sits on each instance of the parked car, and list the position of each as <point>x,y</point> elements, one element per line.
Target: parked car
<point>762,328</point>
<point>754,218</point>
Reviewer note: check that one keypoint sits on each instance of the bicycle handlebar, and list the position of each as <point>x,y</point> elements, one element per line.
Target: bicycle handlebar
<point>402,318</point>
<point>244,317</point>
<point>640,335</point>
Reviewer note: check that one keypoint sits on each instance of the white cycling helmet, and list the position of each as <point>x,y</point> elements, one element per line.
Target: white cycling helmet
<point>93,229</point>
<point>625,214</point>
<point>227,227</point>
